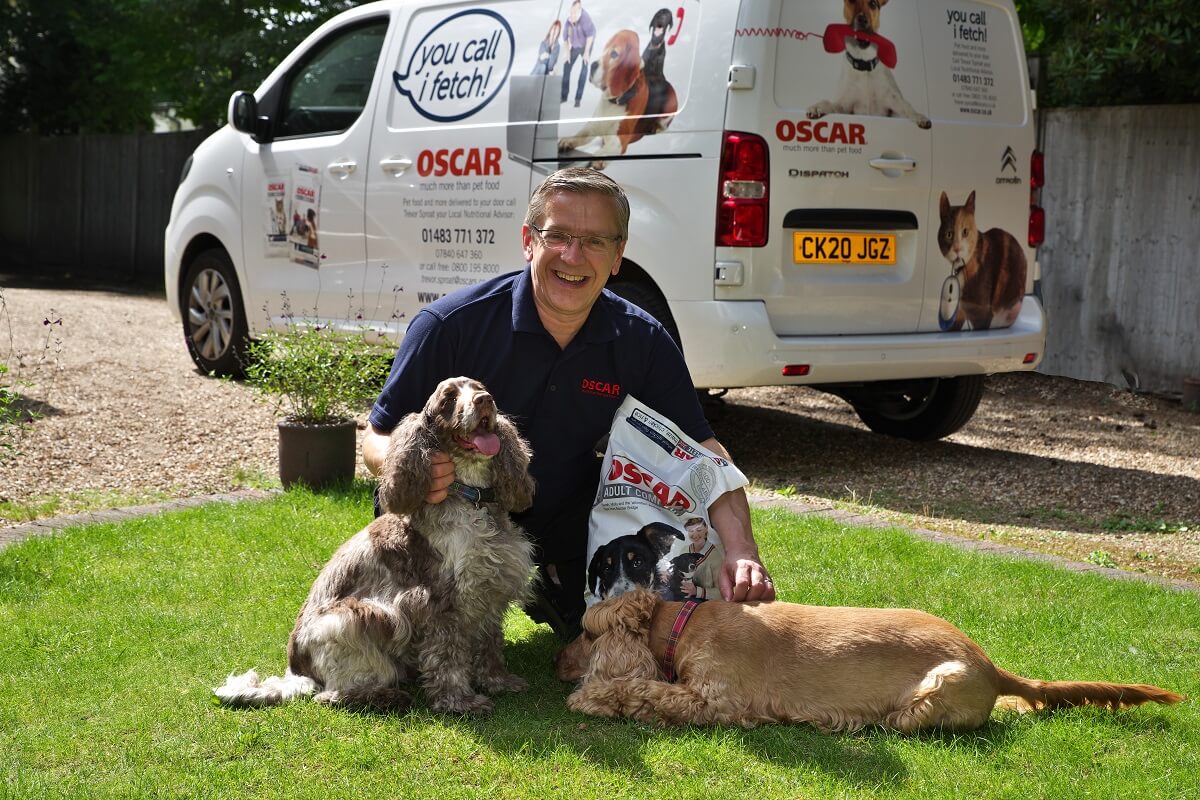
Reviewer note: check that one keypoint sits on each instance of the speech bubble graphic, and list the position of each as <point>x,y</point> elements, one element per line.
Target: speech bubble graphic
<point>459,66</point>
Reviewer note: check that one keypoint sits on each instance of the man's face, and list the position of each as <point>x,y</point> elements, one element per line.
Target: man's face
<point>576,10</point>
<point>567,282</point>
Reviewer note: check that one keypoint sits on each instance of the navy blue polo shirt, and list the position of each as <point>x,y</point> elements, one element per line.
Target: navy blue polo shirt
<point>562,400</point>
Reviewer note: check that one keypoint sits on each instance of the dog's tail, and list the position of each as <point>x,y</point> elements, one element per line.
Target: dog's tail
<point>1045,695</point>
<point>247,690</point>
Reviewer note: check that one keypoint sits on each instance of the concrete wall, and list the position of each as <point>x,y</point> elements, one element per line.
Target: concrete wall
<point>1121,260</point>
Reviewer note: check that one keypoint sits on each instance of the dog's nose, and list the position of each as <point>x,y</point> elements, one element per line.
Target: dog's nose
<point>861,23</point>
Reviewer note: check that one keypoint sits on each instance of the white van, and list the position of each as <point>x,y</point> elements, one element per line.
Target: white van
<point>840,194</point>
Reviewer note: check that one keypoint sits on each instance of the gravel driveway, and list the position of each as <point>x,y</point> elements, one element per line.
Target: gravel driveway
<point>1066,467</point>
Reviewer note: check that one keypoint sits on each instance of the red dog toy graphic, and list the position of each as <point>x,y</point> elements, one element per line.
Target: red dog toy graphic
<point>835,42</point>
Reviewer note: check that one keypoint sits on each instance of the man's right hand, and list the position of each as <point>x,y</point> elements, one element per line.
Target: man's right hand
<point>441,468</point>
<point>441,474</point>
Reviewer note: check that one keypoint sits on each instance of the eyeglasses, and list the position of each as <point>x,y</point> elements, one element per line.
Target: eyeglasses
<point>591,242</point>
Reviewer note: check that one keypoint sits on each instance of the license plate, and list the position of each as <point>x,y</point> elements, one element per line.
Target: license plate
<point>831,247</point>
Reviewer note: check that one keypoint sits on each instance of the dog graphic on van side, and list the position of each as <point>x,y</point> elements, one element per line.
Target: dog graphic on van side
<point>625,112</point>
<point>867,84</point>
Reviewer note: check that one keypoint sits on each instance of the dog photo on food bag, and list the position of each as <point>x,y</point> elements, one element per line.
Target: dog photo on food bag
<point>420,593</point>
<point>684,663</point>
<point>630,561</point>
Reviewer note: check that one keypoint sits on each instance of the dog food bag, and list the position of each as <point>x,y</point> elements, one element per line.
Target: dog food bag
<point>649,525</point>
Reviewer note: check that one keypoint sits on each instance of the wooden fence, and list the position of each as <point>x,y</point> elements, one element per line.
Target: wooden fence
<point>92,207</point>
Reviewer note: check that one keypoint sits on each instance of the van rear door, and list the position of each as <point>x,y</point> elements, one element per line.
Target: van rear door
<point>449,169</point>
<point>846,125</point>
<point>983,136</point>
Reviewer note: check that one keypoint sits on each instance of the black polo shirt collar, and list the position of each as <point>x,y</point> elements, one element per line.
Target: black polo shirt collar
<point>600,326</point>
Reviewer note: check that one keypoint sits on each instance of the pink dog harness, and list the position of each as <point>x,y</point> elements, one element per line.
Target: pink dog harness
<point>685,613</point>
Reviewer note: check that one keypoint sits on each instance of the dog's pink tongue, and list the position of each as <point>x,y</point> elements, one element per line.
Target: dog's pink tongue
<point>486,442</point>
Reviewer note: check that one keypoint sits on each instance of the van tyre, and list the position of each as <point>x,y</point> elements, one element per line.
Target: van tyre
<point>650,300</point>
<point>923,412</point>
<point>214,319</point>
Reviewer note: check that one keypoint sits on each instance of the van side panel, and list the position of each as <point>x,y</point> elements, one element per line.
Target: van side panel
<point>449,171</point>
<point>666,164</point>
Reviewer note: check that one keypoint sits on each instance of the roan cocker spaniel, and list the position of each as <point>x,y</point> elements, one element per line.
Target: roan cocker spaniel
<point>836,668</point>
<point>420,593</point>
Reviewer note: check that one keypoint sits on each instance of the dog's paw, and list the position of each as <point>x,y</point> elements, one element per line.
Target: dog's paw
<point>597,704</point>
<point>923,122</point>
<point>504,682</point>
<point>598,165</point>
<point>815,112</point>
<point>569,144</point>
<point>468,703</point>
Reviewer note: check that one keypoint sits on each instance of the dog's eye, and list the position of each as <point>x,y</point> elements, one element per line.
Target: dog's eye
<point>613,54</point>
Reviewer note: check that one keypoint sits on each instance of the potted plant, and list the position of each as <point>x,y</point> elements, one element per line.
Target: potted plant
<point>318,379</point>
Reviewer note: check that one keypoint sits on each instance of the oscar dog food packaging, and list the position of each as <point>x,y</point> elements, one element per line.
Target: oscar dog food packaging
<point>649,524</point>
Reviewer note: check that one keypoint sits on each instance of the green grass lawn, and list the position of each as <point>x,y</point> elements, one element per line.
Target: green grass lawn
<point>112,636</point>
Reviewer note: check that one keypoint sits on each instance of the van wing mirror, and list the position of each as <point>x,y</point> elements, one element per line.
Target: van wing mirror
<point>244,117</point>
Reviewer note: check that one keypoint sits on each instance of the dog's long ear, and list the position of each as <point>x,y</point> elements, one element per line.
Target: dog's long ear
<point>627,66</point>
<point>404,479</point>
<point>660,536</point>
<point>628,612</point>
<point>594,571</point>
<point>620,630</point>
<point>510,468</point>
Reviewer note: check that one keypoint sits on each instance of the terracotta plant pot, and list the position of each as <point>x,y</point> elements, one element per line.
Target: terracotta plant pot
<point>316,455</point>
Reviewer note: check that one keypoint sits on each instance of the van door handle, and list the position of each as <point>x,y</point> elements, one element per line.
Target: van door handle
<point>395,166</point>
<point>342,168</point>
<point>897,164</point>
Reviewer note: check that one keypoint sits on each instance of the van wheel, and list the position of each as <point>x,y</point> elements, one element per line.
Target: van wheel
<point>923,411</point>
<point>649,300</point>
<point>214,321</point>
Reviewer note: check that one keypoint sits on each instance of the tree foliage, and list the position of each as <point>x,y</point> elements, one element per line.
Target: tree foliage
<point>1114,52</point>
<point>69,66</point>
<point>74,66</point>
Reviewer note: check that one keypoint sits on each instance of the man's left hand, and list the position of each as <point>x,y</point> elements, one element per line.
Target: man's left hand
<point>745,579</point>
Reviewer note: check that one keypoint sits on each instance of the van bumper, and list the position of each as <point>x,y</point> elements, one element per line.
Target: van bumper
<point>737,348</point>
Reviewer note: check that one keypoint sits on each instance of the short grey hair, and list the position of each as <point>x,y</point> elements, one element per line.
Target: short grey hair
<point>579,180</point>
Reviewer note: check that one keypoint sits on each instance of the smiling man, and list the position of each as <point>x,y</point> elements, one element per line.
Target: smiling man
<point>559,354</point>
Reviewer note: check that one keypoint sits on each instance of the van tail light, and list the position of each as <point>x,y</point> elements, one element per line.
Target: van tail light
<point>1037,170</point>
<point>1037,226</point>
<point>1037,215</point>
<point>742,191</point>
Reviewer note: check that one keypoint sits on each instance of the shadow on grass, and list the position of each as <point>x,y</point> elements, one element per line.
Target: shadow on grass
<point>780,448</point>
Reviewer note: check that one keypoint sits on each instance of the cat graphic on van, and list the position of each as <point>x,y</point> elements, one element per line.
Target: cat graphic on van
<point>988,266</point>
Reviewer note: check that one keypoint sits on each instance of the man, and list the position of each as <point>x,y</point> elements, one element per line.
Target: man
<point>579,34</point>
<point>541,340</point>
